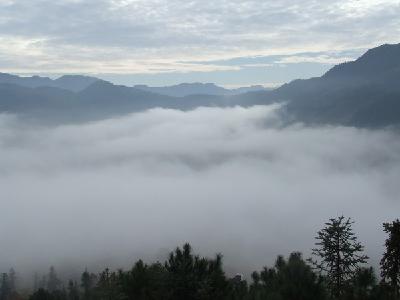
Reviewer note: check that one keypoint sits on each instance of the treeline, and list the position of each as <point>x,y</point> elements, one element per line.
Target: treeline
<point>336,271</point>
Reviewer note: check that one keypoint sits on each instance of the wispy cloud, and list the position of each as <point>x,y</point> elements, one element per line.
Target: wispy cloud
<point>105,36</point>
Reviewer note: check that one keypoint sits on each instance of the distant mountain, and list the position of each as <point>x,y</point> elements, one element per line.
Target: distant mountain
<point>73,83</point>
<point>363,93</point>
<point>188,89</point>
<point>34,81</point>
<point>376,64</point>
<point>101,99</point>
<point>252,88</point>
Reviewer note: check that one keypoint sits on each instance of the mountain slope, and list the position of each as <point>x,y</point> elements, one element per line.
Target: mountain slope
<point>364,93</point>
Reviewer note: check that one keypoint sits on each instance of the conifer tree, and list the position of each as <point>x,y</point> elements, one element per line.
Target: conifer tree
<point>53,282</point>
<point>390,263</point>
<point>88,282</point>
<point>4,287</point>
<point>12,278</point>
<point>73,291</point>
<point>339,253</point>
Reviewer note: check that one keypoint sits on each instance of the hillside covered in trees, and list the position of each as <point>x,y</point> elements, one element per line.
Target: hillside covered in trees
<point>338,269</point>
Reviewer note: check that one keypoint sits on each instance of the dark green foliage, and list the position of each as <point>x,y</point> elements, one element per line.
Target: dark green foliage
<point>43,294</point>
<point>144,282</point>
<point>108,286</point>
<point>5,289</point>
<point>339,253</point>
<point>73,291</point>
<point>12,280</point>
<point>390,263</point>
<point>53,283</point>
<point>186,276</point>
<point>88,282</point>
<point>191,277</point>
<point>362,286</point>
<point>238,288</point>
<point>291,279</point>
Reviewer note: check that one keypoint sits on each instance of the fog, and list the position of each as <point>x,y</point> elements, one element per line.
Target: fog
<point>230,180</point>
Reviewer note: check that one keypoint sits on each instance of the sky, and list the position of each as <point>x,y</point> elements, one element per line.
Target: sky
<point>231,180</point>
<point>159,42</point>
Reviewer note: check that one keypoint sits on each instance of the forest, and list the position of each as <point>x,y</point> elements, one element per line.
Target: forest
<point>337,269</point>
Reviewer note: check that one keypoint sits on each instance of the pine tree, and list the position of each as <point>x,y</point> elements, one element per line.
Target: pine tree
<point>363,284</point>
<point>108,286</point>
<point>87,283</point>
<point>390,263</point>
<point>191,277</point>
<point>5,290</point>
<point>287,280</point>
<point>53,282</point>
<point>73,291</point>
<point>339,252</point>
<point>35,282</point>
<point>12,277</point>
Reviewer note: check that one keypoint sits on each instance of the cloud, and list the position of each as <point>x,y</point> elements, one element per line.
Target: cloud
<point>104,36</point>
<point>230,180</point>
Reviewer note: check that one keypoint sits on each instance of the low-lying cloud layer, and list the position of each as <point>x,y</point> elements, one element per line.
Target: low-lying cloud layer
<point>229,180</point>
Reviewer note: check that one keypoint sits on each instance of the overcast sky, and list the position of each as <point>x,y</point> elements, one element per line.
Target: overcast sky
<point>235,42</point>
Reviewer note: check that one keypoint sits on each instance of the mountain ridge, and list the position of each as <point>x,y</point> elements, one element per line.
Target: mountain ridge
<point>362,93</point>
<point>198,88</point>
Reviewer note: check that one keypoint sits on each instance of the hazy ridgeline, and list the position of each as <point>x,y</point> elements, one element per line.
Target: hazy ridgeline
<point>230,180</point>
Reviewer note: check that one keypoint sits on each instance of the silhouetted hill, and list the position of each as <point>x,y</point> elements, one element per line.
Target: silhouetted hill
<point>363,93</point>
<point>74,83</point>
<point>373,65</point>
<point>17,99</point>
<point>34,81</point>
<point>68,82</point>
<point>187,89</point>
<point>105,94</point>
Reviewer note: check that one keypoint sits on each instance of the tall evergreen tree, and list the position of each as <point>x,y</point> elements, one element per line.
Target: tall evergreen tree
<point>36,282</point>
<point>53,283</point>
<point>363,284</point>
<point>108,286</point>
<point>291,279</point>
<point>73,291</point>
<point>4,287</point>
<point>339,254</point>
<point>390,263</point>
<point>144,282</point>
<point>191,277</point>
<point>239,289</point>
<point>88,282</point>
<point>43,282</point>
<point>12,278</point>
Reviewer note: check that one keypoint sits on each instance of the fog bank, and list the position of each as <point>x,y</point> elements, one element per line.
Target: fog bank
<point>228,180</point>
